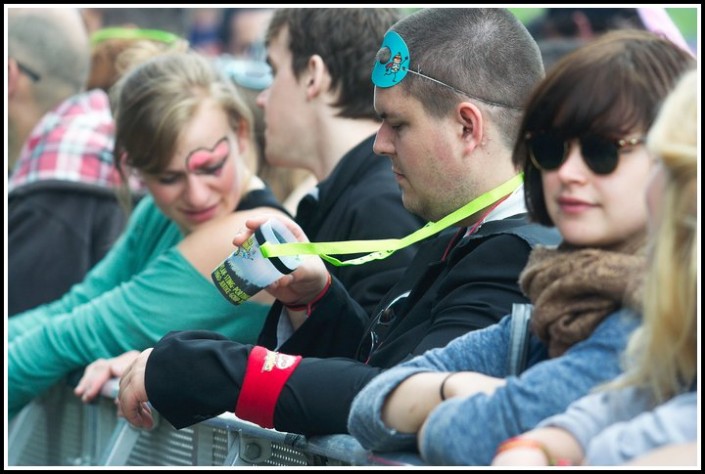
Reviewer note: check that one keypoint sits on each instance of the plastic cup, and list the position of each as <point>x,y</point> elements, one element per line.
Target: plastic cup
<point>246,272</point>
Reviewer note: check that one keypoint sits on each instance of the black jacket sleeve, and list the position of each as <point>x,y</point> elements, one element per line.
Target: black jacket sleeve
<point>317,397</point>
<point>195,375</point>
<point>55,236</point>
<point>192,376</point>
<point>473,288</point>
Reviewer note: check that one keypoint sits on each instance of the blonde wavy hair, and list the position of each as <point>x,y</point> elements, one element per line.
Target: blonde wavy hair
<point>662,353</point>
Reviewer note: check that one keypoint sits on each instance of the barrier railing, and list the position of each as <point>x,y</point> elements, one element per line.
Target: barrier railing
<point>57,429</point>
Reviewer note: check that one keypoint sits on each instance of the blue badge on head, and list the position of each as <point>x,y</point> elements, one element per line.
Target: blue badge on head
<point>392,61</point>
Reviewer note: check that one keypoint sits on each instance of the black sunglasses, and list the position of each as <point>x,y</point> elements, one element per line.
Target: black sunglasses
<point>548,151</point>
<point>379,328</point>
<point>33,75</point>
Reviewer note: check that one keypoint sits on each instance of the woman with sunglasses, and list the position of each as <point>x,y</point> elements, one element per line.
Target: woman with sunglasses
<point>188,135</point>
<point>654,403</point>
<point>586,170</point>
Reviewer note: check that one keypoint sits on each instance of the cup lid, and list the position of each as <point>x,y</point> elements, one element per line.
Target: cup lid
<point>275,232</point>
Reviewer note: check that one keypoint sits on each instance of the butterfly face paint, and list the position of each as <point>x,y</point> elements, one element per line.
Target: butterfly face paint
<point>199,187</point>
<point>203,161</point>
<point>205,175</point>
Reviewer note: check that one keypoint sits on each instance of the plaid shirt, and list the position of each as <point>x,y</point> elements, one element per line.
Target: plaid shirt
<point>74,142</point>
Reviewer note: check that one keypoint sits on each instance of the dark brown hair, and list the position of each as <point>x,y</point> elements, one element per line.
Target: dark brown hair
<point>610,87</point>
<point>346,39</point>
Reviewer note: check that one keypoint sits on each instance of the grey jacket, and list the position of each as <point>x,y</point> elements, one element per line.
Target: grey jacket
<point>617,425</point>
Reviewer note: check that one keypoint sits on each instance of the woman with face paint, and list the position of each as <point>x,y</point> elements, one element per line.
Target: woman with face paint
<point>188,135</point>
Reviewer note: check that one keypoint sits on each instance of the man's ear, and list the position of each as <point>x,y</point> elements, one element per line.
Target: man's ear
<point>13,76</point>
<point>471,119</point>
<point>318,77</point>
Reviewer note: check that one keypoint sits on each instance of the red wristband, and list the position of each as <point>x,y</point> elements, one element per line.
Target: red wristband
<point>266,374</point>
<point>523,442</point>
<point>309,306</point>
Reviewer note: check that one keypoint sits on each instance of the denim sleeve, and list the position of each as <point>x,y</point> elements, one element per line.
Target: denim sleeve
<point>484,350</point>
<point>467,431</point>
<point>365,418</point>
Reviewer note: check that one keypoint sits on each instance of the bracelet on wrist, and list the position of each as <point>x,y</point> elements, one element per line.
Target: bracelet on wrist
<point>308,307</point>
<point>443,385</point>
<point>530,443</point>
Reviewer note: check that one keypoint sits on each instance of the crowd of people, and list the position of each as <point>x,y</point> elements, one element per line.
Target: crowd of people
<point>560,181</point>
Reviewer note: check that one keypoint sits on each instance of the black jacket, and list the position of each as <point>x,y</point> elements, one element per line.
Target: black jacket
<point>474,286</point>
<point>360,200</point>
<point>57,231</point>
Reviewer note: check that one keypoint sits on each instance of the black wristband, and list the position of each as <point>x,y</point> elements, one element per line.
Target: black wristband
<point>443,385</point>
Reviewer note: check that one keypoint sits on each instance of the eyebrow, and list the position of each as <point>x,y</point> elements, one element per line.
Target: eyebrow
<point>211,149</point>
<point>387,115</point>
<point>34,76</point>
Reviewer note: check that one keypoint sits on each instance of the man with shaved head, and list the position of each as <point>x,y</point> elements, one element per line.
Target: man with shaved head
<point>48,61</point>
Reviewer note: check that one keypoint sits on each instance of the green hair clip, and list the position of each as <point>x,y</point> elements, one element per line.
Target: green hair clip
<point>105,34</point>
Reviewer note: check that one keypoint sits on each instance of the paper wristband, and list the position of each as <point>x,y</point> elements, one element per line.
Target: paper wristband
<point>266,374</point>
<point>381,249</point>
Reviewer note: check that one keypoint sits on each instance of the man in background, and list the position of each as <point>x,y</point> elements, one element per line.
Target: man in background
<point>63,214</point>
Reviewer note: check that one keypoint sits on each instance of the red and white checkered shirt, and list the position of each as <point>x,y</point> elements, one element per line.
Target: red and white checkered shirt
<point>74,142</point>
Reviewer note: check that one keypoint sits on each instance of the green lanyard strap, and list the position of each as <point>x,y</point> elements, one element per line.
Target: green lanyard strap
<point>383,248</point>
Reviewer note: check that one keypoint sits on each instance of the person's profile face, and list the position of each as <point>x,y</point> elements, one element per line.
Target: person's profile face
<point>425,154</point>
<point>288,131</point>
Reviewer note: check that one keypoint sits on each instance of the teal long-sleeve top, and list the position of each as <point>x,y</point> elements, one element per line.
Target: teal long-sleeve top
<point>142,289</point>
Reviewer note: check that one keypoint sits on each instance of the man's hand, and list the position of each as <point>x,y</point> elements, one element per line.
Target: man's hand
<point>132,398</point>
<point>303,284</point>
<point>99,372</point>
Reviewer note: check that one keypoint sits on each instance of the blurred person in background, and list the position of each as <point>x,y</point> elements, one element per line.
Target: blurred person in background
<point>63,213</point>
<point>243,59</point>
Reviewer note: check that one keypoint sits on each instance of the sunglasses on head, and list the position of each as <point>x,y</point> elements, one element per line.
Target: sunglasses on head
<point>548,151</point>
<point>379,327</point>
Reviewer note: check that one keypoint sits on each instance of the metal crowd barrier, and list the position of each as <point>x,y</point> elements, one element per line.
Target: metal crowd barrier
<point>58,430</point>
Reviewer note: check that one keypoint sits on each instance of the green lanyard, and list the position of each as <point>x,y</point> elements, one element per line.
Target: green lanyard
<point>383,248</point>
